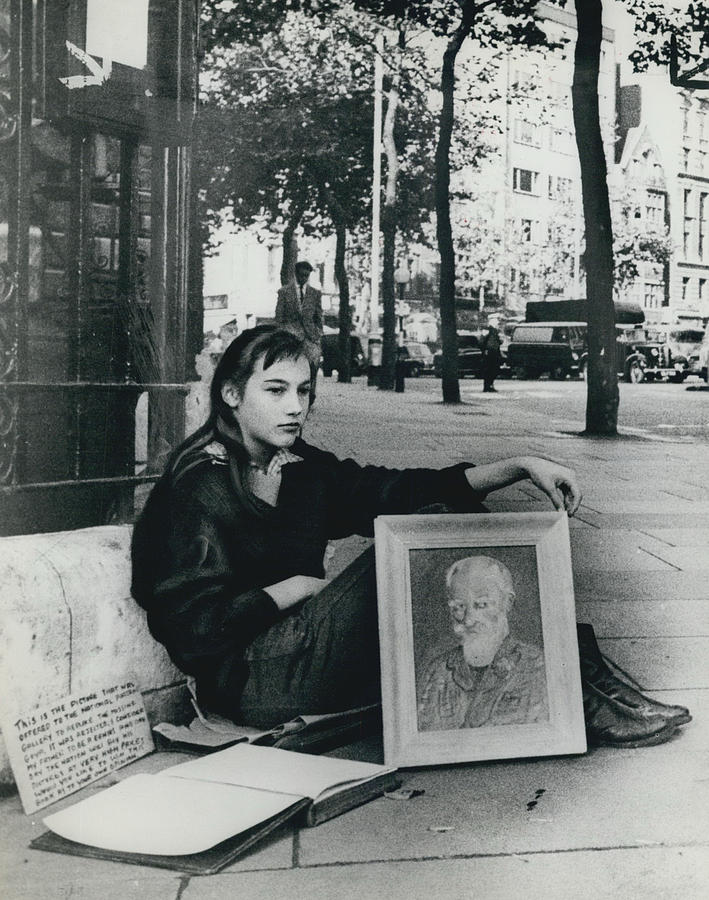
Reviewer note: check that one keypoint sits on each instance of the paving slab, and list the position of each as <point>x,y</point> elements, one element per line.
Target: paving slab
<point>641,507</point>
<point>648,520</point>
<point>645,618</point>
<point>616,552</point>
<point>681,537</point>
<point>604,799</point>
<point>674,585</point>
<point>660,873</point>
<point>689,559</point>
<point>661,663</point>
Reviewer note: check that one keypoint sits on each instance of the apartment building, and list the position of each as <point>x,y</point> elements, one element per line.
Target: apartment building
<point>665,130</point>
<point>542,197</point>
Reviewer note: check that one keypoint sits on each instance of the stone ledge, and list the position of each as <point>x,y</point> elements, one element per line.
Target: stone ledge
<point>68,623</point>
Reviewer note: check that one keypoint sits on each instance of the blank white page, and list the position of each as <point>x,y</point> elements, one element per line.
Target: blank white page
<point>166,816</point>
<point>271,769</point>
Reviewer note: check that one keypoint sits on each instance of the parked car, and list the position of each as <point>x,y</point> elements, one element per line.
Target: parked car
<point>555,348</point>
<point>560,349</point>
<point>469,356</point>
<point>642,358</point>
<point>330,358</point>
<point>646,360</point>
<point>704,357</point>
<point>417,359</point>
<point>685,342</point>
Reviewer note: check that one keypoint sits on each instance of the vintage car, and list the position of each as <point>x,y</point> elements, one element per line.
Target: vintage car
<point>416,358</point>
<point>641,359</point>
<point>555,348</point>
<point>560,349</point>
<point>703,362</point>
<point>469,355</point>
<point>681,341</point>
<point>330,358</point>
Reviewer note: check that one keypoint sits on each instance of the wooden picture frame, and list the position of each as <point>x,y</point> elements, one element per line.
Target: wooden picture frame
<point>477,693</point>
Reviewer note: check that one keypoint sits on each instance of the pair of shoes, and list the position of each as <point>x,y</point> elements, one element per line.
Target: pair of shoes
<point>596,672</point>
<point>612,724</point>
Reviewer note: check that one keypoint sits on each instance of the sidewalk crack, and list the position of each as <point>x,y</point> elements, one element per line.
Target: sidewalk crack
<point>660,558</point>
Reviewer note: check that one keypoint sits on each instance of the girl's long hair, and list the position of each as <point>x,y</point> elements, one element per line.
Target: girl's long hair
<point>236,366</point>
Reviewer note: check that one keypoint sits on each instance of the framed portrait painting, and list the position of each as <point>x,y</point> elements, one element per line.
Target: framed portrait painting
<point>477,627</point>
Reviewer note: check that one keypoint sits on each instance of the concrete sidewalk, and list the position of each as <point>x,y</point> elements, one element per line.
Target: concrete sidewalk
<point>623,824</point>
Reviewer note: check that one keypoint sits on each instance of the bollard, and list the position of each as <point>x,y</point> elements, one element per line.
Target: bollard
<point>399,376</point>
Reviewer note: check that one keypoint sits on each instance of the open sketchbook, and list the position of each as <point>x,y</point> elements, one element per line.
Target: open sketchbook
<point>200,815</point>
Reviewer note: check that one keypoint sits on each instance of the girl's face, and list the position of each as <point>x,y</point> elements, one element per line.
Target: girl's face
<point>273,407</point>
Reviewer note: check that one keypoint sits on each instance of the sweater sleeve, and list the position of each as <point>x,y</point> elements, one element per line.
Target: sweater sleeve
<point>357,494</point>
<point>183,576</point>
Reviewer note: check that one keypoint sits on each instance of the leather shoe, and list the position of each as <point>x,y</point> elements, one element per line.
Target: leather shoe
<point>596,672</point>
<point>640,704</point>
<point>612,724</point>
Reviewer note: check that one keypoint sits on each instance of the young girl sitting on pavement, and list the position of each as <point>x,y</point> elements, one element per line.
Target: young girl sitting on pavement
<point>228,554</point>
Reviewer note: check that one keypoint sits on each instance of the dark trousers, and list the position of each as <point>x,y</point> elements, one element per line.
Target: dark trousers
<point>490,367</point>
<point>322,658</point>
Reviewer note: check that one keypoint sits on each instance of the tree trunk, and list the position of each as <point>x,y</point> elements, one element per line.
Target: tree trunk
<point>603,395</point>
<point>388,226</point>
<point>444,233</point>
<point>344,373</point>
<point>290,246</point>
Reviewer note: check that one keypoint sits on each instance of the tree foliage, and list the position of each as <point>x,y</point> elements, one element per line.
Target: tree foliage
<point>658,22</point>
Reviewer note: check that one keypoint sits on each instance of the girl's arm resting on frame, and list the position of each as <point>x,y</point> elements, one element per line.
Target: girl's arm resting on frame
<point>557,482</point>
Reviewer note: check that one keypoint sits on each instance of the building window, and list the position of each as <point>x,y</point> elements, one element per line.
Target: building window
<point>685,289</point>
<point>525,181</point>
<point>702,290</point>
<point>559,188</point>
<point>703,223</point>
<point>653,295</point>
<point>529,231</point>
<point>685,159</point>
<point>527,133</point>
<point>688,223</point>
<point>655,209</point>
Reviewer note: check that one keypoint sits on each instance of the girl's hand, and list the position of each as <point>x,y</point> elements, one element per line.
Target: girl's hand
<point>557,482</point>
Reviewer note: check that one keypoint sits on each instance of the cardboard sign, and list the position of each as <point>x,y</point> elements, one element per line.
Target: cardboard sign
<point>62,746</point>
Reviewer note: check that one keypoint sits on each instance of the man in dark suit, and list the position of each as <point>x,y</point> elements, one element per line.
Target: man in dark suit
<point>492,357</point>
<point>299,309</point>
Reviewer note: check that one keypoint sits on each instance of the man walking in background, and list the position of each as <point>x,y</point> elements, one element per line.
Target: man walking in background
<point>299,309</point>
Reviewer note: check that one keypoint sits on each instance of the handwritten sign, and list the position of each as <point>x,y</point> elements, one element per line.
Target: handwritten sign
<point>60,747</point>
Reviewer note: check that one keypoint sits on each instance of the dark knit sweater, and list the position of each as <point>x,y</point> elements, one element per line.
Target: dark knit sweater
<point>200,561</point>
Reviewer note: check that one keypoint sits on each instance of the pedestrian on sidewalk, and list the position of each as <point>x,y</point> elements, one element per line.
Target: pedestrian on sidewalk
<point>299,309</point>
<point>228,554</point>
<point>491,346</point>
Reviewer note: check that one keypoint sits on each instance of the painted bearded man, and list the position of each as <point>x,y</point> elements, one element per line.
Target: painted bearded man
<point>490,677</point>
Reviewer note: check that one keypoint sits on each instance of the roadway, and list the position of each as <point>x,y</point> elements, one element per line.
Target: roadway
<point>662,409</point>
